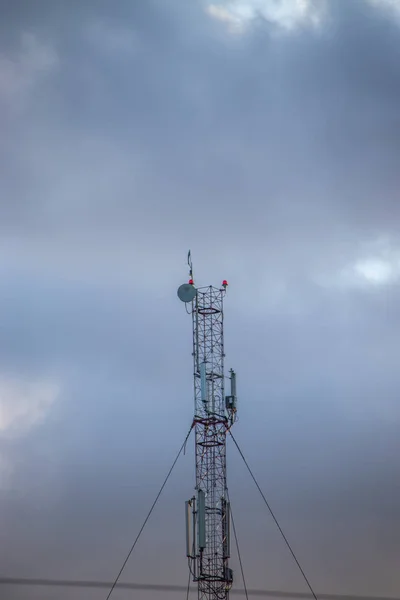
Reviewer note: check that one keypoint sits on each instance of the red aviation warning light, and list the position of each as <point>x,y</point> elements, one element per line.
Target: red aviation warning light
<point>224,284</point>
<point>191,282</point>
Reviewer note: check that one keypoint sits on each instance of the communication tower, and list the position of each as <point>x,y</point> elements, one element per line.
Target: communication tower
<point>208,511</point>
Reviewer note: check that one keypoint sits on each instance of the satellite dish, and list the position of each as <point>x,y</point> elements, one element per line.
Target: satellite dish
<point>186,292</point>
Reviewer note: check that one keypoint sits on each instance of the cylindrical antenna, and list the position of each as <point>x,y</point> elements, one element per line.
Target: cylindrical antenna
<point>233,383</point>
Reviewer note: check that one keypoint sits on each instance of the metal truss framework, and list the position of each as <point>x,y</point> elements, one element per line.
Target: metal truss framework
<point>213,416</point>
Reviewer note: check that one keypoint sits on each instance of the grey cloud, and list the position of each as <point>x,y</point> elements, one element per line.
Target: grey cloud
<point>275,160</point>
<point>258,147</point>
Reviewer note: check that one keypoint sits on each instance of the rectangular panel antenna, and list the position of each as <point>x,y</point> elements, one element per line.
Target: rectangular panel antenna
<point>203,382</point>
<point>201,518</point>
<point>189,528</point>
<point>227,529</point>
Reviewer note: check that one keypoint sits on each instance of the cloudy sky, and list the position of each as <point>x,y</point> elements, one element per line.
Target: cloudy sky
<point>263,135</point>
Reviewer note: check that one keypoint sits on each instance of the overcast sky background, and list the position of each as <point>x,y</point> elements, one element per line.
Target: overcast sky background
<point>265,136</point>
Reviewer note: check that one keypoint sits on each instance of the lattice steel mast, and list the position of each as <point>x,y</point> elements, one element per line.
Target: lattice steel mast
<point>208,512</point>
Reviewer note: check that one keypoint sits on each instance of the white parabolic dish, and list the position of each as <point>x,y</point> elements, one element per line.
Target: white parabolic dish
<point>186,292</point>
